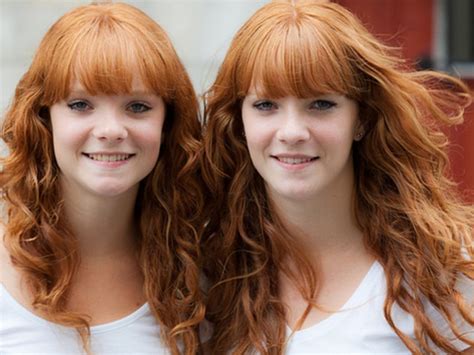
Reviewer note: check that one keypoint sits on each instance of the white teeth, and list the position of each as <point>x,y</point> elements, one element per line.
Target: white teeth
<point>109,157</point>
<point>294,160</point>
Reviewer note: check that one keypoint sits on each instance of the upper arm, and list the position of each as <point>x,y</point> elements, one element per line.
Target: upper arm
<point>469,351</point>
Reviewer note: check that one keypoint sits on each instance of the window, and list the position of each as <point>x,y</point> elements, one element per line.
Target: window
<point>455,36</point>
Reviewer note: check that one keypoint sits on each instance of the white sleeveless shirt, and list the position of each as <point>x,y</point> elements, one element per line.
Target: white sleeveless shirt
<point>23,332</point>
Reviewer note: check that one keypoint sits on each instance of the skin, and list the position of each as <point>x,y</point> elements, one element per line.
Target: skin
<point>302,149</point>
<point>104,146</point>
<point>87,128</point>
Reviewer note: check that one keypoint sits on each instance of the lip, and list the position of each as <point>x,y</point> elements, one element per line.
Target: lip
<point>108,159</point>
<point>294,161</point>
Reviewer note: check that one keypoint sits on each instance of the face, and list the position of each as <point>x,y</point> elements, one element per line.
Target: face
<point>104,145</point>
<point>301,147</point>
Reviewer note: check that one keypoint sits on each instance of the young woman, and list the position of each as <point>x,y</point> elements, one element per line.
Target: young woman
<point>335,228</point>
<point>101,193</point>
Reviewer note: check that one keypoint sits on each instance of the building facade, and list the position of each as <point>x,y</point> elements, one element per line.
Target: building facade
<point>435,34</point>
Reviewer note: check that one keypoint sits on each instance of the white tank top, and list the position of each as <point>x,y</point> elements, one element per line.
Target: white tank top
<point>22,332</point>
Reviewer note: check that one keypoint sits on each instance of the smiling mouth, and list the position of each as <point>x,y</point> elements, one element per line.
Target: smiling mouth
<point>295,160</point>
<point>109,157</point>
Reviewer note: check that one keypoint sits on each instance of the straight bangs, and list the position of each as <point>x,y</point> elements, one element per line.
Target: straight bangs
<point>108,57</point>
<point>302,59</point>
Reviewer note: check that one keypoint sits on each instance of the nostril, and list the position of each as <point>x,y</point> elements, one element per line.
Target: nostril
<point>293,135</point>
<point>110,132</point>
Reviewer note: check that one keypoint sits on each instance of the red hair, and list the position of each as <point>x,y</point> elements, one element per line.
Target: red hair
<point>103,46</point>
<point>405,204</point>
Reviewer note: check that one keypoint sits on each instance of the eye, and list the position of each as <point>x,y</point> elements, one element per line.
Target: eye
<point>138,107</point>
<point>79,105</point>
<point>264,105</point>
<point>322,105</point>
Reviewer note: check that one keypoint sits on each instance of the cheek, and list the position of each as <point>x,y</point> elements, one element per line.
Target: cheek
<point>66,137</point>
<point>257,145</point>
<point>150,137</point>
<point>257,134</point>
<point>66,147</point>
<point>254,142</point>
<point>335,135</point>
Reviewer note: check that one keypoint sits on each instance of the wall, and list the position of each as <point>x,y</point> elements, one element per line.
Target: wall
<point>412,26</point>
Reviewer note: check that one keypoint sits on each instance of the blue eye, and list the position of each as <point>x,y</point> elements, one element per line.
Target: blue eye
<point>264,105</point>
<point>322,105</point>
<point>138,107</point>
<point>79,105</point>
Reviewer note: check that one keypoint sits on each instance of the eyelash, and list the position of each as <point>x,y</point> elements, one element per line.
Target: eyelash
<point>263,105</point>
<point>319,105</point>
<point>83,106</point>
<point>326,105</point>
<point>74,106</point>
<point>143,107</point>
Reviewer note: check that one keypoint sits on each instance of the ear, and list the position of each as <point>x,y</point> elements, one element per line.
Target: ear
<point>359,132</point>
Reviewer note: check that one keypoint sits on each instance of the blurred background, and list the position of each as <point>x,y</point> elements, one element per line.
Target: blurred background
<point>436,34</point>
<point>200,30</point>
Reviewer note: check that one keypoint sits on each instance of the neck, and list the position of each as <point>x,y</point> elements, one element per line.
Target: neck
<point>325,224</point>
<point>103,226</point>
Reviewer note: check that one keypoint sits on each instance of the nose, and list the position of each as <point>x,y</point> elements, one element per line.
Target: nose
<point>109,127</point>
<point>293,128</point>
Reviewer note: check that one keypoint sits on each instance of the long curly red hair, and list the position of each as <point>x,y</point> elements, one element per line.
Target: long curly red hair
<point>405,203</point>
<point>103,46</point>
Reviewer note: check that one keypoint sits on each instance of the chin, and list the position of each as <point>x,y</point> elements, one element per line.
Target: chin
<point>297,196</point>
<point>295,193</point>
<point>111,190</point>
